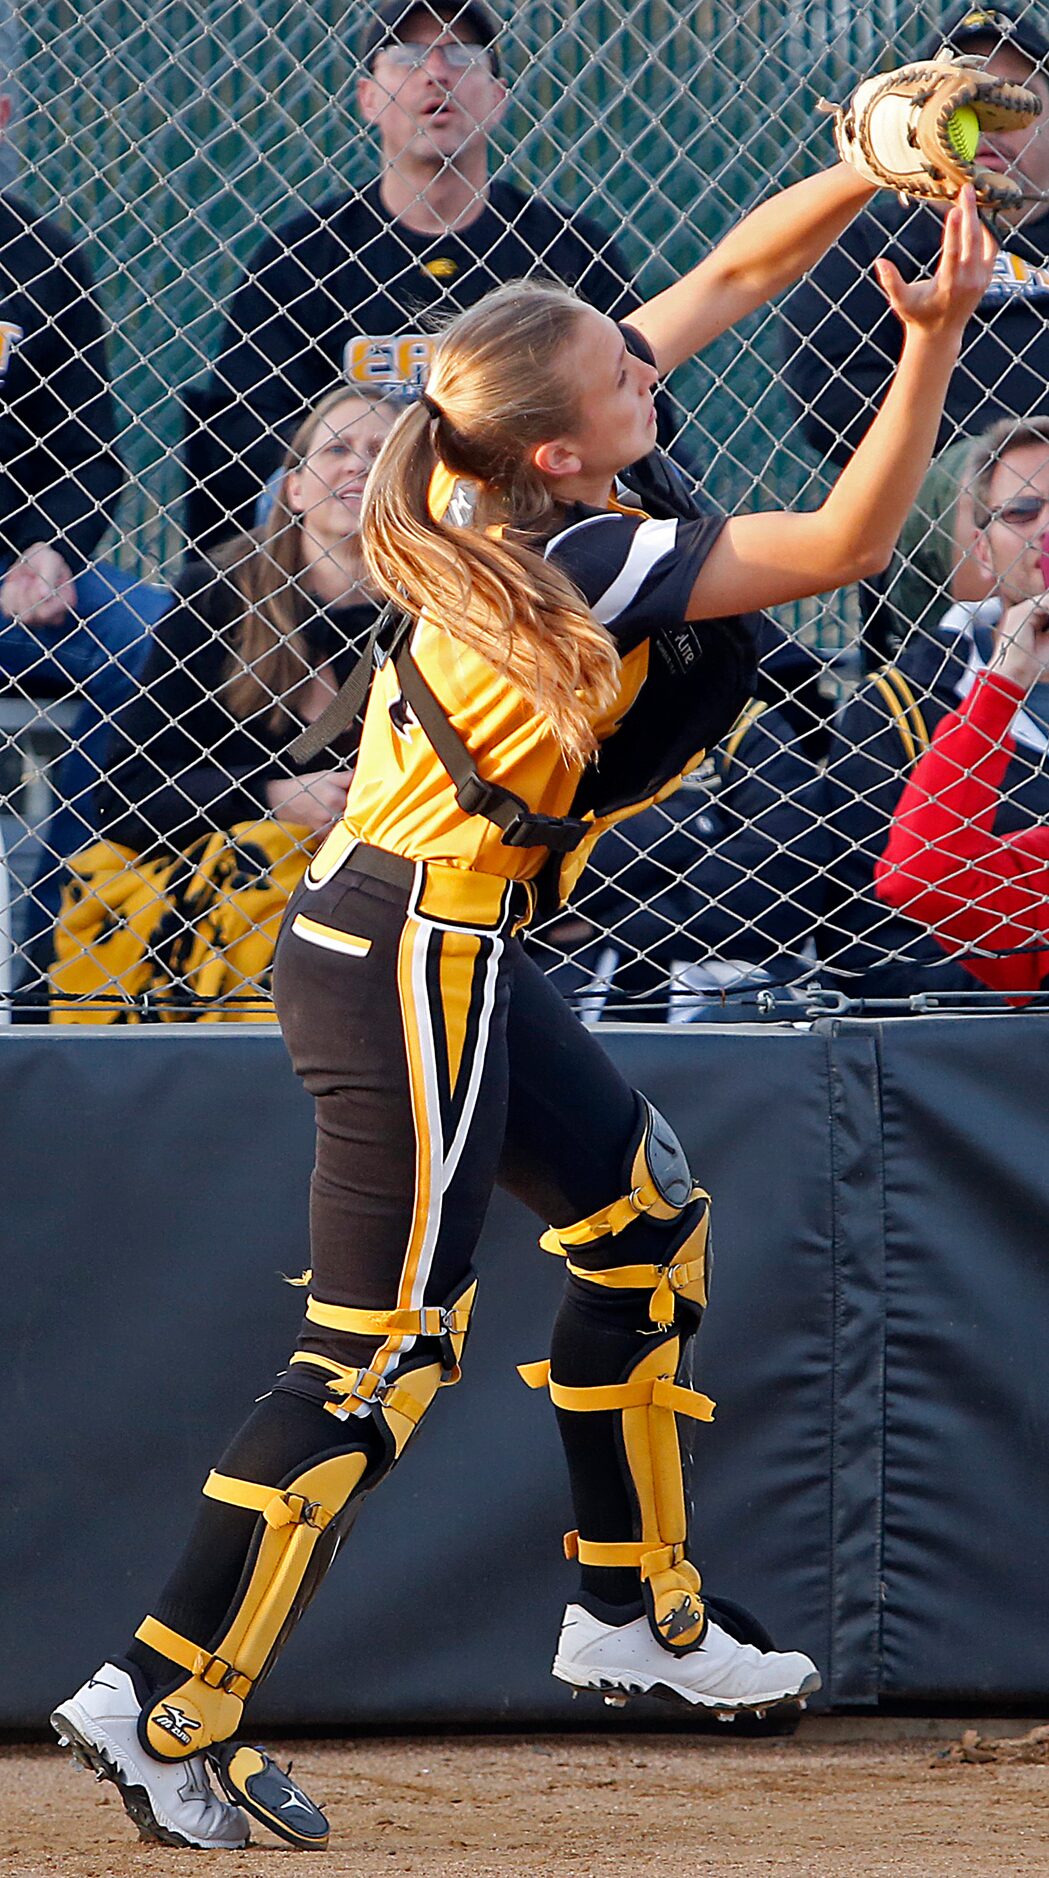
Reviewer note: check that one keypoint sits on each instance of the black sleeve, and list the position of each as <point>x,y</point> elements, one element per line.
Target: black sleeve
<point>60,475</point>
<point>635,574</point>
<point>866,770</point>
<point>737,875</point>
<point>840,342</point>
<point>601,274</point>
<point>178,764</point>
<point>269,371</point>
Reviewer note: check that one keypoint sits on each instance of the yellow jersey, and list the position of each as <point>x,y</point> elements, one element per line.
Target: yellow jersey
<point>636,574</point>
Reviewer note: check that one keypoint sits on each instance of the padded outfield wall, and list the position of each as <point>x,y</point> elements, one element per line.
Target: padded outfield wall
<point>875,1482</point>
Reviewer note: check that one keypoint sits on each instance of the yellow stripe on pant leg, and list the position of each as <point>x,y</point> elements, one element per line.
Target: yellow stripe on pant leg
<point>459,952</point>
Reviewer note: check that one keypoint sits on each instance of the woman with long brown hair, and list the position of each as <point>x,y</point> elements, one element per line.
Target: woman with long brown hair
<point>198,762</point>
<point>566,655</point>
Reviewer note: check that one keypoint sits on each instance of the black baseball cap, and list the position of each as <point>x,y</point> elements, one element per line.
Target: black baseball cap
<point>1017,26</point>
<point>385,23</point>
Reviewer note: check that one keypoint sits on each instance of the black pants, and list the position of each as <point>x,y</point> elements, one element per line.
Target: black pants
<point>441,1062</point>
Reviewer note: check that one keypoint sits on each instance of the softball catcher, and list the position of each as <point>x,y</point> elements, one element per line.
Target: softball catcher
<point>571,647</point>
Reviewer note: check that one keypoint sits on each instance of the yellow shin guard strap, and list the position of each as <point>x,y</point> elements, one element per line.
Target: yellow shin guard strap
<point>277,1508</point>
<point>673,1581</point>
<point>431,1321</point>
<point>646,1391</point>
<point>643,1199</point>
<point>363,1388</point>
<point>683,1275</point>
<point>214,1671</point>
<point>612,1219</point>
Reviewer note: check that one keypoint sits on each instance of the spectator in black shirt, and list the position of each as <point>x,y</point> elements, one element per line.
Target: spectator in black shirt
<point>840,342</point>
<point>251,651</point>
<point>60,474</point>
<point>343,291</point>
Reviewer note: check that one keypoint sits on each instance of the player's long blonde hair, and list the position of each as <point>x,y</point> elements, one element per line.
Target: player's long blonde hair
<point>498,381</point>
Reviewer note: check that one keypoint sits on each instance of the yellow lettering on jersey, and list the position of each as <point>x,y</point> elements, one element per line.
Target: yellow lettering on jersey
<point>399,359</point>
<point>10,334</point>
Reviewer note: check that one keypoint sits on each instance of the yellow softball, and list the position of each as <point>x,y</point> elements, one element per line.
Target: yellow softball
<point>963,129</point>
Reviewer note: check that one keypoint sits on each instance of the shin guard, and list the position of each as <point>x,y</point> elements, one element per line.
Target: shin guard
<point>301,1522</point>
<point>666,1216</point>
<point>649,1400</point>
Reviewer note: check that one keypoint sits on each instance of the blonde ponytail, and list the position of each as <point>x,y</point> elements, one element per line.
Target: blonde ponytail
<point>496,389</point>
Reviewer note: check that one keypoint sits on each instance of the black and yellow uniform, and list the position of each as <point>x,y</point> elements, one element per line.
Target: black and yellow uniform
<point>442,1062</point>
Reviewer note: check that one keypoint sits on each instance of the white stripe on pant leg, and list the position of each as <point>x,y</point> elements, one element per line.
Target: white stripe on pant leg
<point>477,1066</point>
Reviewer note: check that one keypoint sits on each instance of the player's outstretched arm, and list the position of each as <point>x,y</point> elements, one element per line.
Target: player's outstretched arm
<point>915,130</point>
<point>769,250</point>
<point>764,560</point>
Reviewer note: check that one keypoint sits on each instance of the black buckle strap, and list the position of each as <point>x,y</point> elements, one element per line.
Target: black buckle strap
<point>521,826</point>
<point>339,713</point>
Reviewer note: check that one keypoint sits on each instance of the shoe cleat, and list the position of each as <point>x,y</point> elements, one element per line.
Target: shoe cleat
<point>722,1676</point>
<point>170,1802</point>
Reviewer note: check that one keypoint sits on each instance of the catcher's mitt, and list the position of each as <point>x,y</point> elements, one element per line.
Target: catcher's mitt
<point>902,130</point>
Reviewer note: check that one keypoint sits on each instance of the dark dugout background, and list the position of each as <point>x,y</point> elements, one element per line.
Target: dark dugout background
<point>875,1485</point>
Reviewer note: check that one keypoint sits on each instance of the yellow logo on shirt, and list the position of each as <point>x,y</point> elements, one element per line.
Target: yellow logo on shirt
<point>1012,277</point>
<point>396,361</point>
<point>9,337</point>
<point>442,268</point>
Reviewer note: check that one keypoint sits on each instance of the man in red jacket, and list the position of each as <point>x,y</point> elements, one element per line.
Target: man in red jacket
<point>951,860</point>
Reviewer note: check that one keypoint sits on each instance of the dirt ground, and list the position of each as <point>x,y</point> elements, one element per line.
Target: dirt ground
<point>836,1798</point>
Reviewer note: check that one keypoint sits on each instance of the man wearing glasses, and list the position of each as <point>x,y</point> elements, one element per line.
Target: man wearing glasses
<point>343,291</point>
<point>887,725</point>
<point>840,342</point>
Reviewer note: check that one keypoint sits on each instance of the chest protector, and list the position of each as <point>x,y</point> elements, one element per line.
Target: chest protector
<point>699,675</point>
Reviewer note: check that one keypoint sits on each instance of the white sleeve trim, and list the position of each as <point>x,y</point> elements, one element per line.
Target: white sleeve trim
<point>652,541</point>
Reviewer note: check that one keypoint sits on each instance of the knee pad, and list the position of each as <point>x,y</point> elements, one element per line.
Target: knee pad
<point>661,1190</point>
<point>302,1521</point>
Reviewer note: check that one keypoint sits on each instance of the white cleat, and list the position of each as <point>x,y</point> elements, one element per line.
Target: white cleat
<point>170,1802</point>
<point>722,1675</point>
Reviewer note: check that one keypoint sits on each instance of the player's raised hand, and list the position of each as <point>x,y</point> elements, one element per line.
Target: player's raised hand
<point>945,301</point>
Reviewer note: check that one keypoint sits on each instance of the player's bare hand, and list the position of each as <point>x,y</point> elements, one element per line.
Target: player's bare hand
<point>314,800</point>
<point>941,305</point>
<point>1023,642</point>
<point>38,589</point>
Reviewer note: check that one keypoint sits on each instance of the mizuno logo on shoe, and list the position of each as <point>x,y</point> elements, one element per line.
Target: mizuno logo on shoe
<point>98,1682</point>
<point>678,1621</point>
<point>174,1721</point>
<point>296,1799</point>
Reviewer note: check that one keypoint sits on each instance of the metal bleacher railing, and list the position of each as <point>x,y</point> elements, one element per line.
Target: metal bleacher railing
<point>173,138</point>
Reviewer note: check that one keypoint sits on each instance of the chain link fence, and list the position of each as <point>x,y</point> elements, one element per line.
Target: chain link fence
<point>201,185</point>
